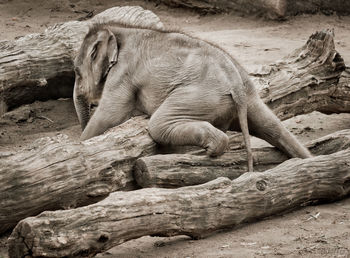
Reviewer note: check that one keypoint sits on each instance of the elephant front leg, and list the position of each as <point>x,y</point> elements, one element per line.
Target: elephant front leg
<point>82,107</point>
<point>109,113</point>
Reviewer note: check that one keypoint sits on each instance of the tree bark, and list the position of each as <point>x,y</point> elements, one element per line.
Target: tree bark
<point>178,170</point>
<point>40,66</point>
<point>193,210</point>
<point>55,173</point>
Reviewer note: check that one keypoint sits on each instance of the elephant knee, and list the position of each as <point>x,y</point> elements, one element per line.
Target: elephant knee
<point>157,131</point>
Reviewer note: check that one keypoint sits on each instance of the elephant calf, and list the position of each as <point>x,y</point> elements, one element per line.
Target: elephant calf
<point>192,90</point>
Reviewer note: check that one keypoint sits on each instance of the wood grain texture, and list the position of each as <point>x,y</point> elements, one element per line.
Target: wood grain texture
<point>40,66</point>
<point>56,173</point>
<point>192,210</point>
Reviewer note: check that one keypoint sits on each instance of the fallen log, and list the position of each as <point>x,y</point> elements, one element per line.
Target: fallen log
<point>40,66</point>
<point>193,210</point>
<point>178,170</point>
<point>273,8</point>
<point>327,7</point>
<point>55,173</point>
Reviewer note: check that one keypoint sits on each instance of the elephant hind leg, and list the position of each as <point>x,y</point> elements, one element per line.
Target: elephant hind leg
<point>189,132</point>
<point>183,119</point>
<point>265,125</point>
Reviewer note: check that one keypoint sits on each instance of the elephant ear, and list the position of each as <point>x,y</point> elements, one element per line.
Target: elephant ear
<point>103,54</point>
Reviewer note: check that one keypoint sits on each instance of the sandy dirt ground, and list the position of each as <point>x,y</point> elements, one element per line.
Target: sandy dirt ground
<point>315,231</point>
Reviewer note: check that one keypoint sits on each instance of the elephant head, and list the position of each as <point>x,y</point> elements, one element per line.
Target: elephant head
<point>97,54</point>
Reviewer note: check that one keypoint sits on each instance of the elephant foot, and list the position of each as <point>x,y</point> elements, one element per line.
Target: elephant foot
<point>217,144</point>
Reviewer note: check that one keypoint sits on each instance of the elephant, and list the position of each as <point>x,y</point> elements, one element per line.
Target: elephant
<point>193,90</point>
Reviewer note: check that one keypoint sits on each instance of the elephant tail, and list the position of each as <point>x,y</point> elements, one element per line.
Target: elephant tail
<point>242,112</point>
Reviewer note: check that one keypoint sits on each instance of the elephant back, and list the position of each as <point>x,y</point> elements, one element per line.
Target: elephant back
<point>129,15</point>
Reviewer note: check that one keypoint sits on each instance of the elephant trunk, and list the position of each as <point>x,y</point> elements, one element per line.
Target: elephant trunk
<point>82,107</point>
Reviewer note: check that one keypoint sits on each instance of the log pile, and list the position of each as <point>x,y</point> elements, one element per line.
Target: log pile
<point>37,179</point>
<point>55,173</point>
<point>193,210</point>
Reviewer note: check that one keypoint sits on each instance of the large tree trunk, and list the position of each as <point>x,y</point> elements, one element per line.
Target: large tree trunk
<point>273,9</point>
<point>40,66</point>
<point>55,173</point>
<point>193,210</point>
<point>312,6</point>
<point>177,170</point>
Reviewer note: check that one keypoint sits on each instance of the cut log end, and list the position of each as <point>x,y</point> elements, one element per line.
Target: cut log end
<point>142,175</point>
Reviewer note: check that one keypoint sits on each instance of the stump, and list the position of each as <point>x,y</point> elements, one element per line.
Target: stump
<point>307,80</point>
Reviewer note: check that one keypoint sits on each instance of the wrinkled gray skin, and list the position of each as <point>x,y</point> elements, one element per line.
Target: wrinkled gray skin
<point>193,90</point>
